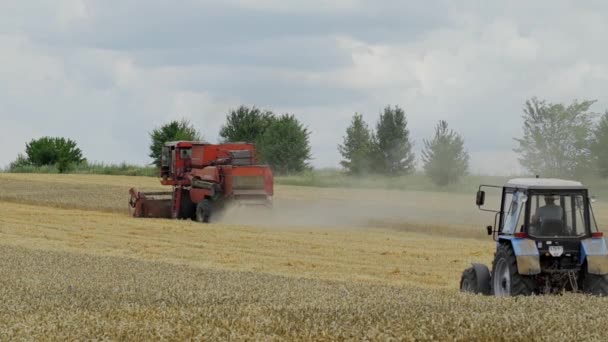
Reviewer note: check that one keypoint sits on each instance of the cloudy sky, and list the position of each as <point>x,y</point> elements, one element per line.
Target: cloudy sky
<point>106,72</point>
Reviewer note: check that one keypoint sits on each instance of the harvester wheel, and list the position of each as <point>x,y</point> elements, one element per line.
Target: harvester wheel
<point>203,211</point>
<point>476,279</point>
<point>595,284</point>
<point>506,280</point>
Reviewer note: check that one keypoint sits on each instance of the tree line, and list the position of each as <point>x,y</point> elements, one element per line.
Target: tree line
<point>559,140</point>
<point>388,149</point>
<point>282,141</point>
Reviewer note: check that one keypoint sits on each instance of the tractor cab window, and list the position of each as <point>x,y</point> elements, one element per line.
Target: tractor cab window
<point>558,214</point>
<point>513,213</point>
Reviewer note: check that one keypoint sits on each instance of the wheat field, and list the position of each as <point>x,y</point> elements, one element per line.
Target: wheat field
<point>323,264</point>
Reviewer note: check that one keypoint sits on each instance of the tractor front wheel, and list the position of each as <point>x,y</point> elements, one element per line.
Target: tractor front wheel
<point>506,281</point>
<point>476,279</point>
<point>203,211</point>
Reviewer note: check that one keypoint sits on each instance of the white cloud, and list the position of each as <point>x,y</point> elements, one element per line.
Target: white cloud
<point>310,6</point>
<point>106,74</point>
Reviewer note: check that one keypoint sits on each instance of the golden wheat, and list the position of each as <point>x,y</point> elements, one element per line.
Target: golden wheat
<point>75,266</point>
<point>68,296</point>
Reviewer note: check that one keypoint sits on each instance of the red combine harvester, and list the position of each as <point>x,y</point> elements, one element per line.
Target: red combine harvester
<point>204,177</point>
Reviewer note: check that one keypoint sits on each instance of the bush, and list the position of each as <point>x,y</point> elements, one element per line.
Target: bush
<point>48,151</point>
<point>285,145</point>
<point>122,169</point>
<point>445,159</point>
<point>246,124</point>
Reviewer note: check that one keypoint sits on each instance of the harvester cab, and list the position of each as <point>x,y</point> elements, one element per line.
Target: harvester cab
<point>547,241</point>
<point>176,158</point>
<point>204,178</point>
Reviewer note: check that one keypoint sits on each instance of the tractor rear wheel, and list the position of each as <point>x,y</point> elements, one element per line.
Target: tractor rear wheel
<point>476,279</point>
<point>506,280</point>
<point>203,211</point>
<point>595,284</point>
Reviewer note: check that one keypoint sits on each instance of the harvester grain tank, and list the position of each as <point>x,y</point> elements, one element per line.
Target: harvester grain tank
<point>204,178</point>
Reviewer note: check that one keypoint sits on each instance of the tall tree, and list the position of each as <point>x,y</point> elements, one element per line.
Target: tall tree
<point>245,124</point>
<point>173,131</point>
<point>53,151</point>
<point>444,157</point>
<point>392,146</point>
<point>557,138</point>
<point>357,147</point>
<point>285,145</point>
<point>599,147</point>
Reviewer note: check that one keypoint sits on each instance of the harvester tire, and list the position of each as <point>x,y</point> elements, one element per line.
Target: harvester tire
<point>476,279</point>
<point>203,211</point>
<point>506,280</point>
<point>595,284</point>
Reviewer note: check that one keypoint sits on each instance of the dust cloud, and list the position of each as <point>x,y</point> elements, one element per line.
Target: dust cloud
<point>358,208</point>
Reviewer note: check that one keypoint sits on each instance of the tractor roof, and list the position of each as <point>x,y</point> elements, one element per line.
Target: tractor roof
<point>544,184</point>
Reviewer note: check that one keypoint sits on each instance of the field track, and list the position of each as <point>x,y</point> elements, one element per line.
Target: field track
<point>324,264</point>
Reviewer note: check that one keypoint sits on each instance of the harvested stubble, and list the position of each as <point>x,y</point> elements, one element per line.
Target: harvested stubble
<point>59,296</point>
<point>443,213</point>
<point>102,193</point>
<point>356,255</point>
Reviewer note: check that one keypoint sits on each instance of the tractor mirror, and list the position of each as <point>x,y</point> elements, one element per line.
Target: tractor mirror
<point>490,230</point>
<point>481,198</point>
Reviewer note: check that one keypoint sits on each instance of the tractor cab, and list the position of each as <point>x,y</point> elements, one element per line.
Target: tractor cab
<point>547,241</point>
<point>543,209</point>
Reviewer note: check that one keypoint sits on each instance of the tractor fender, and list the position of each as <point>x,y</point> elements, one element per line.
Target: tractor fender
<point>526,254</point>
<point>595,252</point>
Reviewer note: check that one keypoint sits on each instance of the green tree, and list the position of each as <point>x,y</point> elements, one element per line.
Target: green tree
<point>285,145</point>
<point>52,151</point>
<point>246,124</point>
<point>393,153</point>
<point>444,157</point>
<point>19,163</point>
<point>172,131</point>
<point>357,147</point>
<point>599,147</point>
<point>557,138</point>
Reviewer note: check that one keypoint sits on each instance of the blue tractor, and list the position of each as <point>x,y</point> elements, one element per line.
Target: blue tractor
<point>547,242</point>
